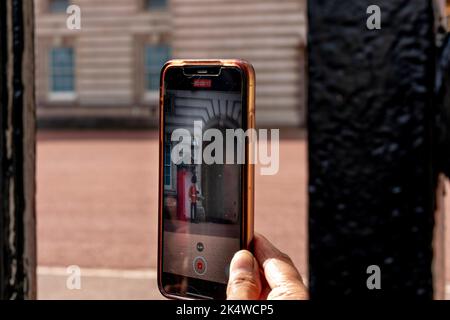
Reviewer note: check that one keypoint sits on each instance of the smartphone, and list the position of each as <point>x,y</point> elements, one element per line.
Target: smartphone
<point>205,200</point>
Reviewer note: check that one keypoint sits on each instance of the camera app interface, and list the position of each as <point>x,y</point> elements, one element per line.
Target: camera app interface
<point>202,191</point>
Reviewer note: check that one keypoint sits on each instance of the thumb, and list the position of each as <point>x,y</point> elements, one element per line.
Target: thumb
<point>244,282</point>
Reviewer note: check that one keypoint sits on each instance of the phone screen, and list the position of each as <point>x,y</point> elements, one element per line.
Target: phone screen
<point>202,198</point>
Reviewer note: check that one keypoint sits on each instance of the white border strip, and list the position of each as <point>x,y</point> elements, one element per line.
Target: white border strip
<point>99,273</point>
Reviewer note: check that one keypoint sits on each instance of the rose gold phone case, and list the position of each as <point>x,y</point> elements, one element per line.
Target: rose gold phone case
<point>247,223</point>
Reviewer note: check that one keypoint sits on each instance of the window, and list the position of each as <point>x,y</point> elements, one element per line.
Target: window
<point>167,166</point>
<point>58,6</point>
<point>156,4</point>
<point>62,70</point>
<point>155,57</point>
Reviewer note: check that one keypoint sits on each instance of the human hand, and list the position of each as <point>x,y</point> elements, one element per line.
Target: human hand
<point>268,274</point>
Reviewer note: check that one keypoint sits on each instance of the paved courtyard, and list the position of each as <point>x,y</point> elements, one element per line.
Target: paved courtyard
<point>97,209</point>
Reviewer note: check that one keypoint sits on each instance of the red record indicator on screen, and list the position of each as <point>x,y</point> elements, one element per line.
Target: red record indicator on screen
<point>199,265</point>
<point>202,83</point>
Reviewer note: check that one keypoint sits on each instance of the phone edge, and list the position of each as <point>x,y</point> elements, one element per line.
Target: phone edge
<point>247,223</point>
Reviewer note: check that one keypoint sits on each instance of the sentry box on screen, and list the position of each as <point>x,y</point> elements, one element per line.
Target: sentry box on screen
<point>205,198</point>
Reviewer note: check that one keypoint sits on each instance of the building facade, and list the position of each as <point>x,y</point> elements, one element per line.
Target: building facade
<point>110,67</point>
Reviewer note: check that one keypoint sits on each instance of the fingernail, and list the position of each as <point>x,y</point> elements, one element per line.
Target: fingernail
<point>243,260</point>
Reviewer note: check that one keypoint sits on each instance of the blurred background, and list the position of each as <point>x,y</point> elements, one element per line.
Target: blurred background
<point>97,147</point>
<point>110,68</point>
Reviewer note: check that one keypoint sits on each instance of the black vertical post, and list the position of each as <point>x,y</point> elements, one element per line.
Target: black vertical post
<point>371,185</point>
<point>17,151</point>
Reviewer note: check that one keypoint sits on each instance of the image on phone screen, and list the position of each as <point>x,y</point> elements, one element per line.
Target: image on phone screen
<point>202,202</point>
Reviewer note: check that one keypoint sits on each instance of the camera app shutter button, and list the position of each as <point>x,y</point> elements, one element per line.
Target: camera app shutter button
<point>199,265</point>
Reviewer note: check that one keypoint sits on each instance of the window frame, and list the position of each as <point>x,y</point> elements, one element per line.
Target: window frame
<point>61,94</point>
<point>146,4</point>
<point>157,66</point>
<point>50,8</point>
